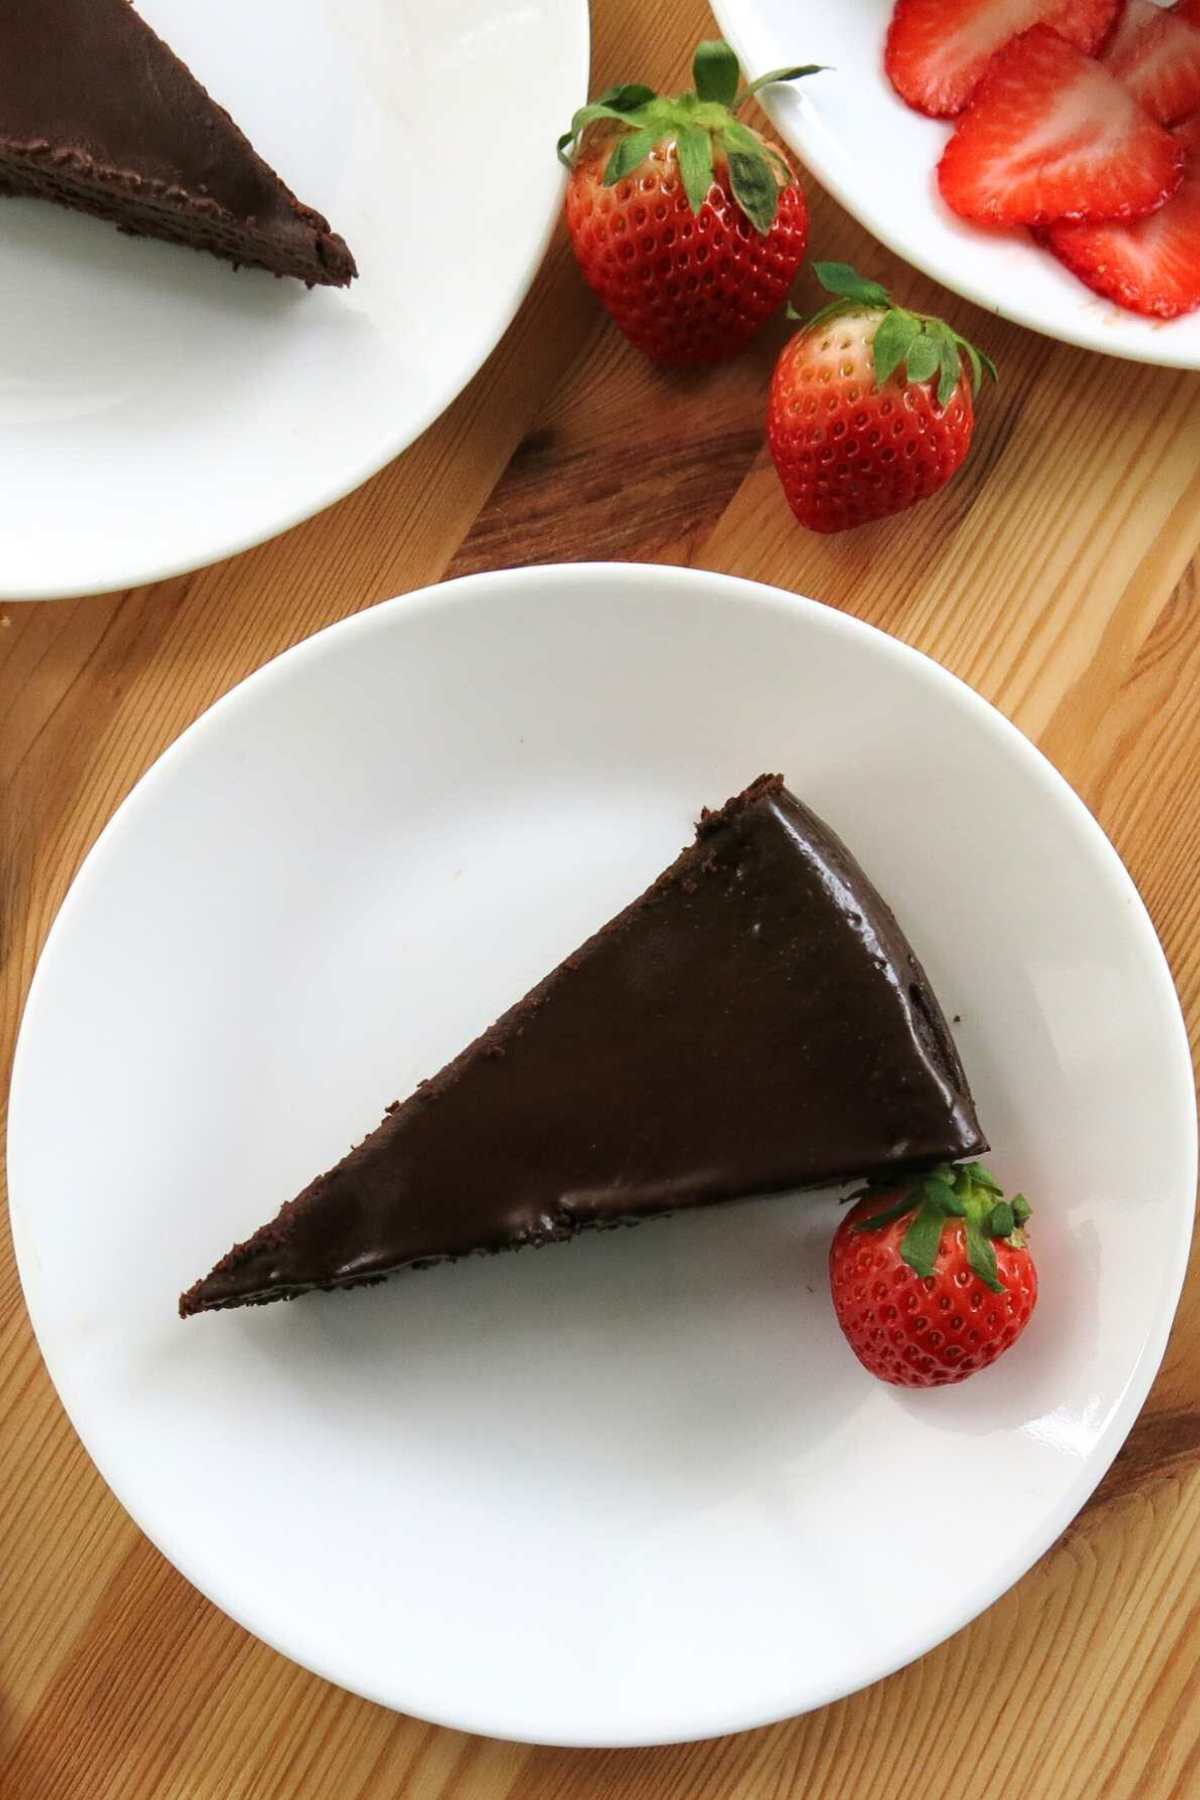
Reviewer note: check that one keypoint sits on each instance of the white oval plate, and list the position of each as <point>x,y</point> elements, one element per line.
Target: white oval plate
<point>878,158</point>
<point>628,1489</point>
<point>157,410</point>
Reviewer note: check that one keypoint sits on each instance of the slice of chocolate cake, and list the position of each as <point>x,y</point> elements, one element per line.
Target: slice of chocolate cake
<point>755,1022</point>
<point>98,114</point>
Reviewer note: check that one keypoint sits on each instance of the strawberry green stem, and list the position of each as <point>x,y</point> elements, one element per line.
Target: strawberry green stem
<point>918,344</point>
<point>967,1192</point>
<point>703,127</point>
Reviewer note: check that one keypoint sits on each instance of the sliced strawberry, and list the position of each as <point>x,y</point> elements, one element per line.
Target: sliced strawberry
<point>938,49</point>
<point>1050,134</point>
<point>1150,265</point>
<point>1156,55</point>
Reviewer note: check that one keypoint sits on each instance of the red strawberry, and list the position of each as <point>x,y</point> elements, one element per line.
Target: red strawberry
<point>1188,10</point>
<point>685,222</point>
<point>870,407</point>
<point>1050,134</point>
<point>938,49</point>
<point>933,1281</point>
<point>1149,265</point>
<point>1156,55</point>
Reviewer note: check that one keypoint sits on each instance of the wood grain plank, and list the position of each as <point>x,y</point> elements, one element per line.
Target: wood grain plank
<point>1059,575</point>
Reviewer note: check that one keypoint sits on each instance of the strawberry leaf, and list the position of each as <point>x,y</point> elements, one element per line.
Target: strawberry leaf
<point>981,1255</point>
<point>922,358</point>
<point>981,364</point>
<point>944,1193</point>
<point>695,164</point>
<point>715,72</point>
<point>628,152</point>
<point>982,1178</point>
<point>889,1214</point>
<point>754,188</point>
<point>736,136</point>
<point>783,169</point>
<point>841,279</point>
<point>950,373</point>
<point>796,74</point>
<point>921,1242</point>
<point>893,341</point>
<point>595,110</point>
<point>1021,1210</point>
<point>1001,1220</point>
<point>627,97</point>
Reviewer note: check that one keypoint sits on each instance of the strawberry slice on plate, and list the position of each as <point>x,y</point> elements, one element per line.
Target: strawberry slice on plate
<point>1151,265</point>
<point>938,49</point>
<point>1051,134</point>
<point>1156,55</point>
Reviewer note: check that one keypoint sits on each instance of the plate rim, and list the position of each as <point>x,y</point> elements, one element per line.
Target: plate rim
<point>479,348</point>
<point>734,18</point>
<point>583,577</point>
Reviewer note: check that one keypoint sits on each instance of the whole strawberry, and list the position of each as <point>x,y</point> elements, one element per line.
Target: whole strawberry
<point>871,406</point>
<point>934,1280</point>
<point>685,222</point>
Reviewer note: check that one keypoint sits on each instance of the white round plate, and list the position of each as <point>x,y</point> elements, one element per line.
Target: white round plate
<point>878,158</point>
<point>629,1489</point>
<point>159,410</point>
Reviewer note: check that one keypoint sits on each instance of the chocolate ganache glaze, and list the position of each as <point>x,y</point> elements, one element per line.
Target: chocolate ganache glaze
<point>96,113</point>
<point>755,1022</point>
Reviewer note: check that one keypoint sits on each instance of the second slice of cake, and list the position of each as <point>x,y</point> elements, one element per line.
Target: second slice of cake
<point>97,113</point>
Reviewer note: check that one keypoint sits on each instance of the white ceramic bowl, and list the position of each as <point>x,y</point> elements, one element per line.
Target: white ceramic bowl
<point>634,1488</point>
<point>879,159</point>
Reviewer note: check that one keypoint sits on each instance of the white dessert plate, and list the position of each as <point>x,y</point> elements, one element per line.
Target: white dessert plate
<point>634,1488</point>
<point>159,410</point>
<point>878,158</point>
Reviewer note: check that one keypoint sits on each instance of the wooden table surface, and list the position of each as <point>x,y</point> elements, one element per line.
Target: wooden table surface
<point>1058,575</point>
